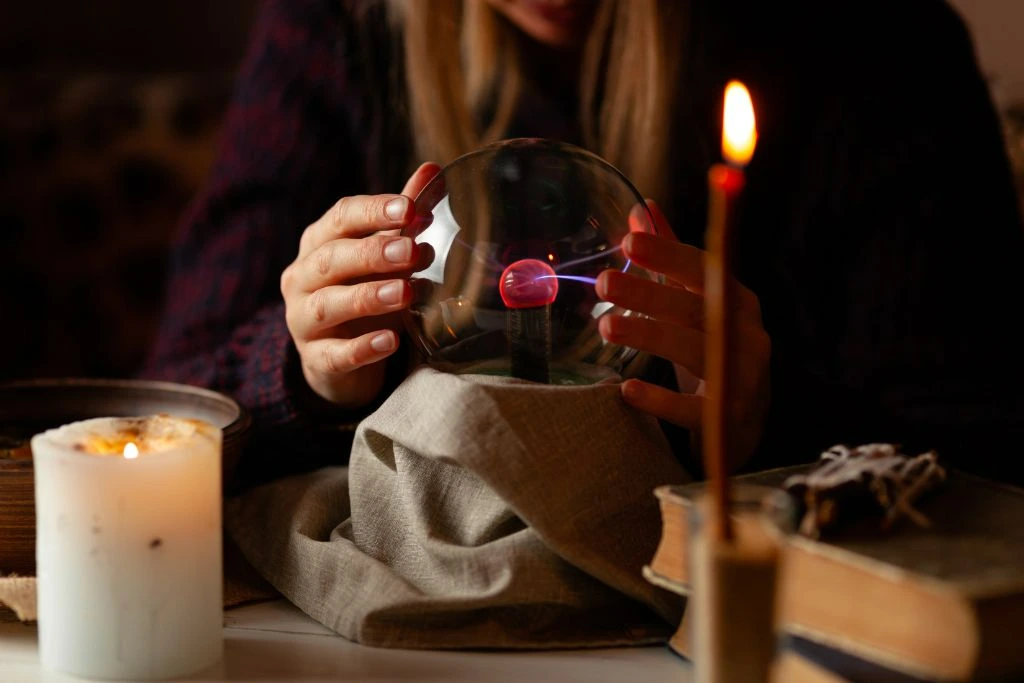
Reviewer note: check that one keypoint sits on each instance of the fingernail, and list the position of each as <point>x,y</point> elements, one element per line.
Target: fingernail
<point>609,327</point>
<point>391,293</point>
<point>385,341</point>
<point>627,244</point>
<point>602,286</point>
<point>398,251</point>
<point>396,208</point>
<point>631,390</point>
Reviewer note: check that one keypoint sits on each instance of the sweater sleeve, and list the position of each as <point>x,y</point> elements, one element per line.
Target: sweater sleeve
<point>285,156</point>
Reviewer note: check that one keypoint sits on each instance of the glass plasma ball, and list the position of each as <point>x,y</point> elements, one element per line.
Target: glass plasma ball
<point>517,233</point>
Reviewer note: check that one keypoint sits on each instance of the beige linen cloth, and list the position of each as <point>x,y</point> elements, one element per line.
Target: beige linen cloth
<point>476,512</point>
<point>18,593</point>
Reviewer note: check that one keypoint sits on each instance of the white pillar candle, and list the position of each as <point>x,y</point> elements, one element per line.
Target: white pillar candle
<point>128,547</point>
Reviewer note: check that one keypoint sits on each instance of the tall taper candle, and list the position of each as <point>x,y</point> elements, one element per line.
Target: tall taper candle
<point>733,577</point>
<point>725,183</point>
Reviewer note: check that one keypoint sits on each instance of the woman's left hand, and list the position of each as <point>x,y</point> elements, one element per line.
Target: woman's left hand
<point>674,330</point>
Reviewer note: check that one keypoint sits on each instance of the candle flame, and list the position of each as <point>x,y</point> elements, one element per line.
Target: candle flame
<point>739,128</point>
<point>131,451</point>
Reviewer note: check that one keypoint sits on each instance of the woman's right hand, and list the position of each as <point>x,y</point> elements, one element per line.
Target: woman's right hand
<point>344,290</point>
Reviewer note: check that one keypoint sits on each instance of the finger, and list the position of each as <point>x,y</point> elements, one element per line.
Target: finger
<point>668,340</point>
<point>341,261</point>
<point>420,178</point>
<point>641,219</point>
<point>752,347</point>
<point>660,301</point>
<point>648,218</point>
<point>661,224</point>
<point>681,409</point>
<point>337,357</point>
<point>682,264</point>
<point>357,216</point>
<point>329,307</point>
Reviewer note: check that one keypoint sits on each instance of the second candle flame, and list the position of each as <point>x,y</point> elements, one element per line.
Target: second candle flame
<point>739,128</point>
<point>131,451</point>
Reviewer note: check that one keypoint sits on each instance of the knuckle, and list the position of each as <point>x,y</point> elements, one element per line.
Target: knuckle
<point>289,321</point>
<point>749,303</point>
<point>287,278</point>
<point>371,252</point>
<point>309,369</point>
<point>353,356</point>
<point>764,343</point>
<point>330,360</point>
<point>754,303</point>
<point>324,257</point>
<point>291,311</point>
<point>363,302</point>
<point>317,303</point>
<point>373,209</point>
<point>339,213</point>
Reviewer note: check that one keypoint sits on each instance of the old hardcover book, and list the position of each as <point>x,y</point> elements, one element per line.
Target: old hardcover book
<point>669,566</point>
<point>943,602</point>
<point>790,667</point>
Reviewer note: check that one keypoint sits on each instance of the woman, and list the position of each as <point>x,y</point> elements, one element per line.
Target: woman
<point>876,243</point>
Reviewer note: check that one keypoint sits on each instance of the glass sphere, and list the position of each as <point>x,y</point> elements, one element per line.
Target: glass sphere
<point>516,234</point>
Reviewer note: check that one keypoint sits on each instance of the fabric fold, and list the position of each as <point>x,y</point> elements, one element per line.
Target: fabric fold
<point>476,512</point>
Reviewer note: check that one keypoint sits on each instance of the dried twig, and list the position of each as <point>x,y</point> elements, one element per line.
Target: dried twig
<point>878,474</point>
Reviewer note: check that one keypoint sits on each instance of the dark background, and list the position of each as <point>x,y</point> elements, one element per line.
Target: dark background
<point>109,117</point>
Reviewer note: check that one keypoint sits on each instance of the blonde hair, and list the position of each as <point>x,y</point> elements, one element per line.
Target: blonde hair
<point>463,78</point>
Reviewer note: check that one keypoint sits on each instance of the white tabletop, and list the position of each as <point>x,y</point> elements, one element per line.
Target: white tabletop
<point>274,641</point>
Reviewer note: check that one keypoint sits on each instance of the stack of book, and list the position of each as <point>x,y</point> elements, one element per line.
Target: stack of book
<point>943,603</point>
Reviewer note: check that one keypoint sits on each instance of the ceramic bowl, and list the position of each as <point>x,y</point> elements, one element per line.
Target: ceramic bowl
<point>29,407</point>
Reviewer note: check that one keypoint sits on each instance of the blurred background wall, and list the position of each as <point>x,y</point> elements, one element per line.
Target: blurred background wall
<point>109,116</point>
